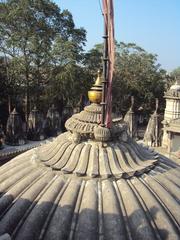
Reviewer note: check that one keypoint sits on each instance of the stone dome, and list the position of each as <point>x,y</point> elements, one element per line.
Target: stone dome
<point>85,121</point>
<point>77,187</point>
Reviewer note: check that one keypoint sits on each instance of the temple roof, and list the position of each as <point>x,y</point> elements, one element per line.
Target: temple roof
<point>91,159</point>
<point>38,203</point>
<point>86,120</point>
<point>176,86</point>
<point>91,182</point>
<point>174,91</point>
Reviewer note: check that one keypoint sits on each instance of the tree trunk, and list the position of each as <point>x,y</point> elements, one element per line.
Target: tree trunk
<point>27,94</point>
<point>9,104</point>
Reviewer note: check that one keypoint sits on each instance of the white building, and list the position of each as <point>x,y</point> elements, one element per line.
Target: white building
<point>171,122</point>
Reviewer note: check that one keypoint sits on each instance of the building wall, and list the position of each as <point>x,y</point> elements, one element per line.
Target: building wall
<point>172,111</point>
<point>174,142</point>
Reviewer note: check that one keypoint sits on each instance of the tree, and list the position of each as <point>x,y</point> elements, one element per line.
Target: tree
<point>176,73</point>
<point>5,88</point>
<point>30,32</point>
<point>136,73</point>
<point>63,70</point>
<point>139,74</point>
<point>93,59</point>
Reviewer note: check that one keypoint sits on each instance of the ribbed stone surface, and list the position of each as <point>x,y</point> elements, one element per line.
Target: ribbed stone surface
<point>85,121</point>
<point>89,158</point>
<point>90,190</point>
<point>37,203</point>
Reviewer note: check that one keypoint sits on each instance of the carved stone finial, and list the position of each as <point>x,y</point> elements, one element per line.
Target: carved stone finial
<point>130,119</point>
<point>53,121</point>
<point>177,80</point>
<point>15,134</point>
<point>36,129</point>
<point>102,134</point>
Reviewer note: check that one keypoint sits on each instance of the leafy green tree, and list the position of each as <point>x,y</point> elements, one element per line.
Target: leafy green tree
<point>3,81</point>
<point>30,34</point>
<point>93,59</point>
<point>176,73</point>
<point>5,88</point>
<point>136,73</point>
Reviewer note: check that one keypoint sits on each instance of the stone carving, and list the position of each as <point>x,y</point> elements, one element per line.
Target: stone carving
<point>15,129</point>
<point>85,121</point>
<point>172,110</point>
<point>36,126</point>
<point>131,120</point>
<point>102,134</point>
<point>119,130</point>
<point>173,135</point>
<point>5,237</point>
<point>175,122</point>
<point>75,137</point>
<point>53,122</point>
<point>153,133</point>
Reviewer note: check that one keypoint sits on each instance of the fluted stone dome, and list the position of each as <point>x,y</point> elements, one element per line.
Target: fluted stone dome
<point>77,187</point>
<point>85,121</point>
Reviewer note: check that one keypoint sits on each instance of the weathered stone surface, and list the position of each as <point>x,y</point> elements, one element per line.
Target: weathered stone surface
<point>130,119</point>
<point>36,126</point>
<point>15,132</point>
<point>5,237</point>
<point>153,133</point>
<point>43,204</point>
<point>112,159</point>
<point>85,121</point>
<point>87,189</point>
<point>172,111</point>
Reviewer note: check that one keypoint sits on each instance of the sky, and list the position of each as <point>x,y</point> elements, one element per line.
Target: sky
<point>152,24</point>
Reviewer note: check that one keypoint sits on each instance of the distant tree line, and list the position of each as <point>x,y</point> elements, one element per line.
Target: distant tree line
<point>41,50</point>
<point>42,61</point>
<point>137,74</point>
<point>176,73</point>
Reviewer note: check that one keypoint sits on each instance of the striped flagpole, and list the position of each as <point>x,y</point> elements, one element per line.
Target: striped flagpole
<point>108,67</point>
